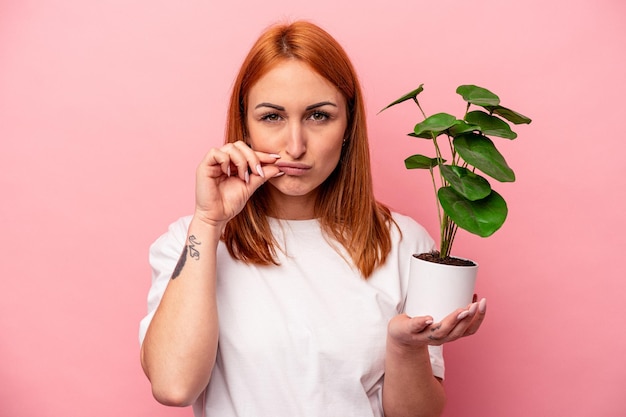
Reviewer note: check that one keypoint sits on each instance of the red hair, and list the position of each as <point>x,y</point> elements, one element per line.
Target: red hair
<point>346,207</point>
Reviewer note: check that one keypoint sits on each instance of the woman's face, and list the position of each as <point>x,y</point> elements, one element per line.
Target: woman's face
<point>296,113</point>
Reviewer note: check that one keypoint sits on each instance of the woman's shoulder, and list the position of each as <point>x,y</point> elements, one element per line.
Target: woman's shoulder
<point>180,225</point>
<point>407,224</point>
<point>410,232</point>
<point>175,236</point>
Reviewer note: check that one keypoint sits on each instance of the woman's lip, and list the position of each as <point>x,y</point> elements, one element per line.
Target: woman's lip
<point>293,168</point>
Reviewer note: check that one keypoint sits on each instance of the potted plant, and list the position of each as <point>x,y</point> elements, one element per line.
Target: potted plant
<point>465,199</point>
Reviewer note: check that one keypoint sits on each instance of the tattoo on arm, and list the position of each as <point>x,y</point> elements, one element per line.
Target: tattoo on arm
<point>180,264</point>
<point>193,253</point>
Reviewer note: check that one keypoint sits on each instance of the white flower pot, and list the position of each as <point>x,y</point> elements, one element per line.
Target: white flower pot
<point>437,290</point>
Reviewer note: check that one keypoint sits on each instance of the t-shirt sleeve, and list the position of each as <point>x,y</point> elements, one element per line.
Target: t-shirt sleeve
<point>163,257</point>
<point>436,361</point>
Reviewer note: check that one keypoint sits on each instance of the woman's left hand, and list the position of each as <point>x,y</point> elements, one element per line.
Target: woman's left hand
<point>419,331</point>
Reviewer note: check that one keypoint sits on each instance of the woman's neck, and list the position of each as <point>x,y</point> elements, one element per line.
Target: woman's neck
<point>289,207</point>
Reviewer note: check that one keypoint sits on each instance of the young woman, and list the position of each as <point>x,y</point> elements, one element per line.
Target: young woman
<point>282,294</point>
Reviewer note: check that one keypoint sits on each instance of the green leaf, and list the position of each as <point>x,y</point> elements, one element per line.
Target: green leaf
<point>421,162</point>
<point>478,95</point>
<point>426,135</point>
<point>480,152</point>
<point>435,124</point>
<point>490,125</point>
<point>407,96</point>
<point>465,182</point>
<point>482,217</point>
<point>510,115</point>
<point>460,126</point>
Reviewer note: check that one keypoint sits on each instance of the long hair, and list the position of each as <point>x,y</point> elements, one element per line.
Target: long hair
<point>345,206</point>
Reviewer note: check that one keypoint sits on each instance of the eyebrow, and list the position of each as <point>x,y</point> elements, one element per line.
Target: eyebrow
<point>311,107</point>
<point>273,106</point>
<point>320,104</point>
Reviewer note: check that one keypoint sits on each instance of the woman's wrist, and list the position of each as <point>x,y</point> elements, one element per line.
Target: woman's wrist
<point>400,348</point>
<point>209,230</point>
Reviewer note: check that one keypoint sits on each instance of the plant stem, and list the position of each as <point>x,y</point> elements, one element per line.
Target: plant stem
<point>448,234</point>
<point>419,107</point>
<point>443,242</point>
<point>443,217</point>
<point>439,210</point>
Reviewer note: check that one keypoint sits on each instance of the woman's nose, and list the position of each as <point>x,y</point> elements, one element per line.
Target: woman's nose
<point>296,143</point>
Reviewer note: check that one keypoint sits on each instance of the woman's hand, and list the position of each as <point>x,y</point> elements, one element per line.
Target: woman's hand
<point>420,331</point>
<point>410,386</point>
<point>227,177</point>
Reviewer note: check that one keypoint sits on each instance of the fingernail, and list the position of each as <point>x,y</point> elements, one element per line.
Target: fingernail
<point>428,322</point>
<point>246,177</point>
<point>260,171</point>
<point>275,155</point>
<point>228,171</point>
<point>463,314</point>
<point>279,174</point>
<point>473,308</point>
<point>482,305</point>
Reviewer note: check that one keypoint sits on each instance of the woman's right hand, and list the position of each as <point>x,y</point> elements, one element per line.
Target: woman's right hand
<point>227,177</point>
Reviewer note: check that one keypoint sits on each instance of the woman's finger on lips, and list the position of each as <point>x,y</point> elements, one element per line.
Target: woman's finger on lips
<point>238,161</point>
<point>257,158</point>
<point>214,158</point>
<point>267,158</point>
<point>252,158</point>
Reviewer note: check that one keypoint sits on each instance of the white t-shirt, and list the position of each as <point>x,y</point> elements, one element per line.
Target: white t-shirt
<point>305,338</point>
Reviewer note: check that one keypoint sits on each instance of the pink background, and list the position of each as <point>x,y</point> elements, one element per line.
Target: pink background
<point>106,108</point>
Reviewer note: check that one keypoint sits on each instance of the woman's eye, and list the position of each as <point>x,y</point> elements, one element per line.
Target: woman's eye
<point>318,116</point>
<point>270,117</point>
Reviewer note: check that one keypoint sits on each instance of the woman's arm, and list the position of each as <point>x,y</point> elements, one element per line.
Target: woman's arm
<point>179,350</point>
<point>410,388</point>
